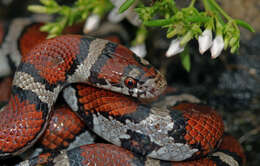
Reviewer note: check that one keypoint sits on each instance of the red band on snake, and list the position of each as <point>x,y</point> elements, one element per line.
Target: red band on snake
<point>175,133</point>
<point>106,154</point>
<point>53,64</point>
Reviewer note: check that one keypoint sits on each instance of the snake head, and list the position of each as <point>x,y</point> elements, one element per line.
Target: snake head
<point>120,70</point>
<point>142,81</point>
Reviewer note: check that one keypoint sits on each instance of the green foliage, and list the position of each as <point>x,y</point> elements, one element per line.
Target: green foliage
<point>185,23</point>
<point>188,23</point>
<point>126,5</point>
<point>69,15</point>
<point>185,59</point>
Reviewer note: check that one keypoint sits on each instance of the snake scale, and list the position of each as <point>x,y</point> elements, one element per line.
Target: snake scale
<point>175,133</point>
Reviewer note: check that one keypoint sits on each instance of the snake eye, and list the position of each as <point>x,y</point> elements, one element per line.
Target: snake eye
<point>130,82</point>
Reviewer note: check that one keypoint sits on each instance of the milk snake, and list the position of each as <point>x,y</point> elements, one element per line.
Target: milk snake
<point>170,133</point>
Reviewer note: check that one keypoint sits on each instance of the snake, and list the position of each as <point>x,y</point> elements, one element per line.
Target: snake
<point>172,133</point>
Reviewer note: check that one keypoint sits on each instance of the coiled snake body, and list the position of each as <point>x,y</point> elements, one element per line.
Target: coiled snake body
<point>174,133</point>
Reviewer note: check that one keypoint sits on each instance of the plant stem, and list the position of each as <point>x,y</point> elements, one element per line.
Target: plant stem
<point>212,10</point>
<point>214,3</point>
<point>206,5</point>
<point>192,3</point>
<point>140,36</point>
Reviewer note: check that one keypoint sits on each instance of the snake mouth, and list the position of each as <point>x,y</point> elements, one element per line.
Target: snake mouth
<point>139,93</point>
<point>152,87</point>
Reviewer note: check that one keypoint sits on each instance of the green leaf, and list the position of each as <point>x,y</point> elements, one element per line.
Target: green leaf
<point>51,36</point>
<point>55,30</point>
<point>200,19</point>
<point>171,33</point>
<point>37,9</point>
<point>125,5</point>
<point>234,49</point>
<point>46,2</point>
<point>245,25</point>
<point>185,59</point>
<point>84,15</point>
<point>49,2</point>
<point>159,22</point>
<point>46,27</point>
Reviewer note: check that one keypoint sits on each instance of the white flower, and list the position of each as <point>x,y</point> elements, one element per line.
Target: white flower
<point>217,46</point>
<point>174,48</point>
<point>139,50</point>
<point>205,41</point>
<point>91,23</point>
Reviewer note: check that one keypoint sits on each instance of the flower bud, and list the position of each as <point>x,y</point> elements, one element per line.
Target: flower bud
<point>226,42</point>
<point>174,48</point>
<point>234,48</point>
<point>91,23</point>
<point>139,50</point>
<point>205,41</point>
<point>233,41</point>
<point>217,46</point>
